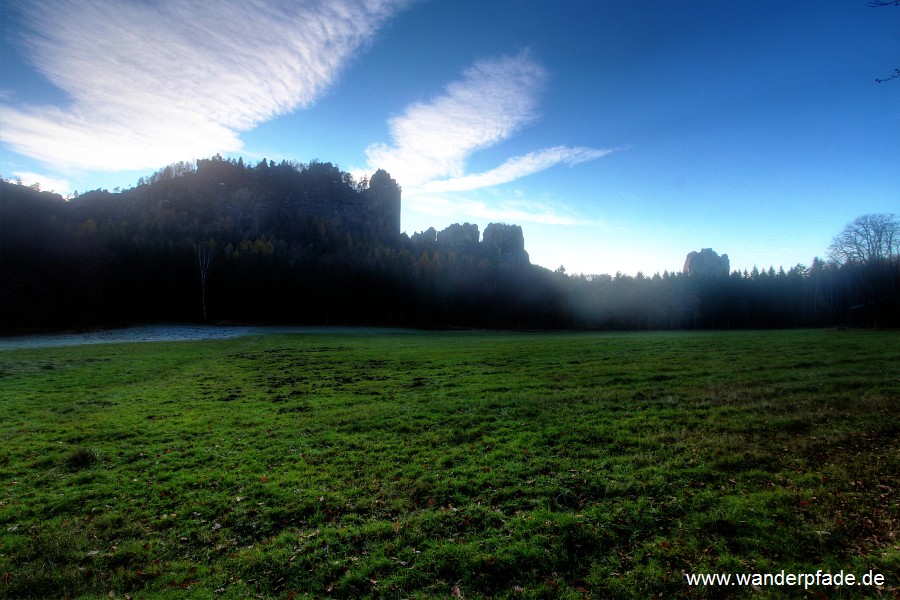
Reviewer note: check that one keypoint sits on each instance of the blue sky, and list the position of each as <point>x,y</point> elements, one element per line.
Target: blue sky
<point>619,135</point>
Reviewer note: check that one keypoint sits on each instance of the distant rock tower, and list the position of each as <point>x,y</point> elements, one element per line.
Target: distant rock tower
<point>707,263</point>
<point>505,244</point>
<point>382,204</point>
<point>459,237</point>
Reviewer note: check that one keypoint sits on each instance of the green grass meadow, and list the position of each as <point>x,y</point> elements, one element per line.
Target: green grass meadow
<point>450,464</point>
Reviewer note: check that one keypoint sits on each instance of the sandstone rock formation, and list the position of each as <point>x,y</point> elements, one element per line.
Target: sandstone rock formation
<point>707,263</point>
<point>505,244</point>
<point>501,244</point>
<point>382,204</point>
<point>459,237</point>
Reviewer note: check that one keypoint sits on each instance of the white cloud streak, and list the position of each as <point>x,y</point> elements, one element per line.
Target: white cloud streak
<point>509,211</point>
<point>516,168</point>
<point>494,99</point>
<point>431,142</point>
<point>152,82</point>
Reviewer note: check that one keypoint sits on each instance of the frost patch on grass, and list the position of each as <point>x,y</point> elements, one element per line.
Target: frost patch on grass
<point>169,333</point>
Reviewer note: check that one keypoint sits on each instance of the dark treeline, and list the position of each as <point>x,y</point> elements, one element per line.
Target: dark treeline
<point>221,241</point>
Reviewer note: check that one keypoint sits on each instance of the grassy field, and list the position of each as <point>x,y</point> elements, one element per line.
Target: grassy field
<point>450,464</point>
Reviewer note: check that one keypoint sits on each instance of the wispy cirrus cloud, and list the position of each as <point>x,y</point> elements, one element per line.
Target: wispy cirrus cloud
<point>511,210</point>
<point>431,142</point>
<point>516,168</point>
<point>494,99</point>
<point>153,81</point>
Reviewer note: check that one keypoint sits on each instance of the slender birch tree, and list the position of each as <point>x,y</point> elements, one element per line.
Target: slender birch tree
<point>206,253</point>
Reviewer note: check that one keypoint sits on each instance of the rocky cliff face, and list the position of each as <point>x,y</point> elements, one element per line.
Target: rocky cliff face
<point>501,245</point>
<point>459,237</point>
<point>382,204</point>
<point>707,263</point>
<point>505,244</point>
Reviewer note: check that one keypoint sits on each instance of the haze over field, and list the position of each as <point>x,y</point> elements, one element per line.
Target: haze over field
<point>619,136</point>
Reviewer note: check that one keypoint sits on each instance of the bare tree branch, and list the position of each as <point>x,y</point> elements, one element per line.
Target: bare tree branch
<point>895,75</point>
<point>879,4</point>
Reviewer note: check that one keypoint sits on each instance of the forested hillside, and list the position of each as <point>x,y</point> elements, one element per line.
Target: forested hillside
<point>221,241</point>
